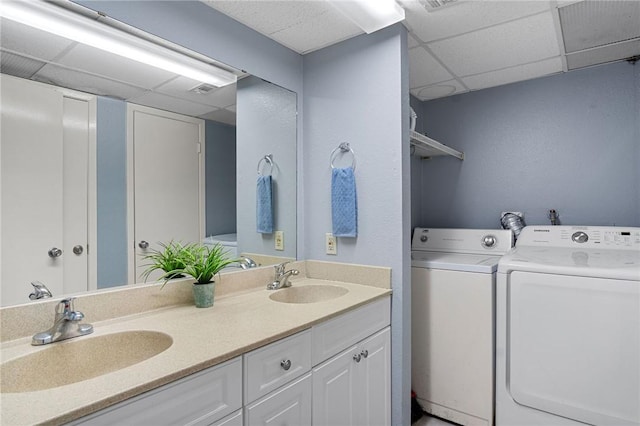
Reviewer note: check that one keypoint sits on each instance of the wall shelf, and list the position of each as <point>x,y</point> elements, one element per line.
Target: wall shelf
<point>427,147</point>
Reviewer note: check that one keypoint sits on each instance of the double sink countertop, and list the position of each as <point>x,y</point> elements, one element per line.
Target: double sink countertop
<point>243,318</point>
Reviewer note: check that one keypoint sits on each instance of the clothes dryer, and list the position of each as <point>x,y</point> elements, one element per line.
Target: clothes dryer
<point>452,305</point>
<point>568,328</point>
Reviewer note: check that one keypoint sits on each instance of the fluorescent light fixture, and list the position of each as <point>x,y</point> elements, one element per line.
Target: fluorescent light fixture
<point>370,15</point>
<point>64,23</point>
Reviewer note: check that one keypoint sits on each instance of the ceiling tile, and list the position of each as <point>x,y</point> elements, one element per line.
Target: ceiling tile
<point>596,23</point>
<point>30,41</point>
<point>601,55</point>
<point>412,41</point>
<point>513,74</point>
<point>114,67</point>
<point>169,103</point>
<point>440,90</point>
<point>424,69</point>
<point>18,66</point>
<point>181,87</point>
<point>324,30</point>
<point>221,116</point>
<point>518,42</point>
<point>463,17</point>
<point>59,76</point>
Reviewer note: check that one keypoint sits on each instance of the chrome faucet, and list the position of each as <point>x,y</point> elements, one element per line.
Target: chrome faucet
<point>40,291</point>
<point>65,325</point>
<point>281,279</point>
<point>246,262</point>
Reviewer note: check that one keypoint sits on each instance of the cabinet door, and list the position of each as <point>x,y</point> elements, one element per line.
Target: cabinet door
<point>289,406</point>
<point>374,380</point>
<point>198,399</point>
<point>334,390</point>
<point>234,419</point>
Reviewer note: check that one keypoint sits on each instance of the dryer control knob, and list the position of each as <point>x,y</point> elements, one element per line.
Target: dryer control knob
<point>489,241</point>
<point>580,237</point>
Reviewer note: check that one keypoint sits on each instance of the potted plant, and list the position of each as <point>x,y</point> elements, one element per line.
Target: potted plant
<point>167,259</point>
<point>202,262</point>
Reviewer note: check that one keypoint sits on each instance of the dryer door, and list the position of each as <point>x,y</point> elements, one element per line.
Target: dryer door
<point>573,346</point>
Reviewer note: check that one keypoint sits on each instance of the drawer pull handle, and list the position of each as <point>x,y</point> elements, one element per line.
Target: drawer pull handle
<point>357,357</point>
<point>364,353</point>
<point>285,364</point>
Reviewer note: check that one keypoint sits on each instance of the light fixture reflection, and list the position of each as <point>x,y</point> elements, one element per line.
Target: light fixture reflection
<point>64,23</point>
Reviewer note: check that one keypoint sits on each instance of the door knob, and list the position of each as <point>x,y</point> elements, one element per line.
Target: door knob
<point>143,244</point>
<point>55,252</point>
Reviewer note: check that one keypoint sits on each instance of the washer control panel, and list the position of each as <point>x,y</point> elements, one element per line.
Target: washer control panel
<point>454,240</point>
<point>611,237</point>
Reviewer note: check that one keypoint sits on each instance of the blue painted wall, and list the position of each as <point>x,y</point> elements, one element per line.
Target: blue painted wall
<point>220,181</point>
<point>111,158</point>
<point>357,92</point>
<point>568,142</point>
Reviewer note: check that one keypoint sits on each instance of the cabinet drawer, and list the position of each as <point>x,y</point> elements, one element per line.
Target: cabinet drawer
<point>199,399</point>
<point>290,405</point>
<point>334,336</point>
<point>234,419</point>
<point>271,366</point>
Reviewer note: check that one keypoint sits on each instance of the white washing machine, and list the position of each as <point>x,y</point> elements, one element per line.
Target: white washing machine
<point>568,328</point>
<point>452,313</point>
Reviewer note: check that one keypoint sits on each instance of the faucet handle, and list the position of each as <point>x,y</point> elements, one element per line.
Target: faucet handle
<point>65,306</point>
<point>40,291</point>
<point>280,267</point>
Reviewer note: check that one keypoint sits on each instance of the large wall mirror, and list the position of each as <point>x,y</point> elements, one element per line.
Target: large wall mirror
<point>85,183</point>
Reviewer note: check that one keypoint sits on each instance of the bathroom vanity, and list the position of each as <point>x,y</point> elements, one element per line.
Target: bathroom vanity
<point>322,357</point>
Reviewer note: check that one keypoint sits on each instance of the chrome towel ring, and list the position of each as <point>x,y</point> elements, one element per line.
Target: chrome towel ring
<point>269,160</point>
<point>343,148</point>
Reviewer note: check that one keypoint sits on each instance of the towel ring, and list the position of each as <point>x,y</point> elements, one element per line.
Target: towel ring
<point>269,159</point>
<point>343,148</point>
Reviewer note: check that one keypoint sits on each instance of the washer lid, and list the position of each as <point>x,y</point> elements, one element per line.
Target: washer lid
<point>602,263</point>
<point>479,263</point>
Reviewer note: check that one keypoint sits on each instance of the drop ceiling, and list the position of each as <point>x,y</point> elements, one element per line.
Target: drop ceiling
<point>456,48</point>
<point>33,54</point>
<point>466,45</point>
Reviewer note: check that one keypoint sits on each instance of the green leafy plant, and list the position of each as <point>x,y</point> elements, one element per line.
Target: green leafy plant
<point>167,259</point>
<point>202,262</point>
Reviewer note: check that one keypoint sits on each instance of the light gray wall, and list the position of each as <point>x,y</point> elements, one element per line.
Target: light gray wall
<point>266,123</point>
<point>354,93</point>
<point>111,159</point>
<point>220,181</point>
<point>568,142</point>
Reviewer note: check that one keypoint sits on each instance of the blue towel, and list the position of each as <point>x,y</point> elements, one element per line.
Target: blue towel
<point>344,203</point>
<point>264,205</point>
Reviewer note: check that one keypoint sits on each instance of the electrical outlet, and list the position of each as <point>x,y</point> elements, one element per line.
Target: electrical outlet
<point>331,244</point>
<point>279,243</point>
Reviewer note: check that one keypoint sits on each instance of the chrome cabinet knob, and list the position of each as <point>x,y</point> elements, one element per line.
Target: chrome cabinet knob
<point>285,364</point>
<point>78,249</point>
<point>143,244</point>
<point>55,252</point>
<point>364,353</point>
<point>357,357</point>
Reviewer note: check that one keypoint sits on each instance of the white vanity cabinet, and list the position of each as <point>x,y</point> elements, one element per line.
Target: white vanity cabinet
<point>353,387</point>
<point>199,399</point>
<point>335,373</point>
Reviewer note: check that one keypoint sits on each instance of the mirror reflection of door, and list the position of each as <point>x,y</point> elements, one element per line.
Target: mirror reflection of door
<point>45,205</point>
<point>167,183</point>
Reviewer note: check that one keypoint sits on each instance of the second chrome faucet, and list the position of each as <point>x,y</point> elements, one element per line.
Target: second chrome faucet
<point>281,279</point>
